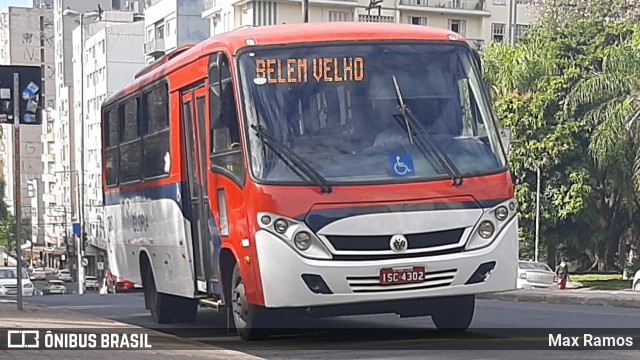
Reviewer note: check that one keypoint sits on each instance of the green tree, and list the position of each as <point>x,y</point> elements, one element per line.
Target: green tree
<point>531,84</point>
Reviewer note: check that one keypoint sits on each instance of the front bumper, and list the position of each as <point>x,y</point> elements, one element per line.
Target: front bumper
<point>281,270</point>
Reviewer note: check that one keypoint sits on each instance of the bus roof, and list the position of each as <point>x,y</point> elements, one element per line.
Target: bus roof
<point>284,34</point>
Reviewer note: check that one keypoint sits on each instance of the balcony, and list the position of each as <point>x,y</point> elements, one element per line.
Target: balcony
<point>461,7</point>
<point>49,137</point>
<point>154,48</point>
<point>49,199</point>
<point>48,158</point>
<point>49,178</point>
<point>211,8</point>
<point>149,3</point>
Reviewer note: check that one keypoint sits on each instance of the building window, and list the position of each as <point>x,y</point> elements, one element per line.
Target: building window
<point>497,32</point>
<point>160,32</point>
<point>150,34</point>
<point>418,20</point>
<point>376,18</point>
<point>499,2</point>
<point>167,29</point>
<point>521,30</point>
<point>458,26</point>
<point>265,13</point>
<point>340,16</point>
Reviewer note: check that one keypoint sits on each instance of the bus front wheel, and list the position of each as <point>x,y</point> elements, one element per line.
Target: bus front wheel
<point>159,304</point>
<point>455,313</point>
<point>247,317</point>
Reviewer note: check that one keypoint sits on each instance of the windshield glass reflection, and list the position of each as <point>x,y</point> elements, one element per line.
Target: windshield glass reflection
<point>336,108</point>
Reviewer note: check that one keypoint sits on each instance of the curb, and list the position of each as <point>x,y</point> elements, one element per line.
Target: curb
<point>614,299</point>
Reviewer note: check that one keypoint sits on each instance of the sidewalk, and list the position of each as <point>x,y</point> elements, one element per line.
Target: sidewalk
<point>626,298</point>
<point>165,346</point>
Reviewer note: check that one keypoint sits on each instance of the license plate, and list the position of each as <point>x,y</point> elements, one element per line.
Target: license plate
<point>392,276</point>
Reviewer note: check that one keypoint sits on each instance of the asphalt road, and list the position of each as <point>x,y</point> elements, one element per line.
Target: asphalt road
<point>379,336</point>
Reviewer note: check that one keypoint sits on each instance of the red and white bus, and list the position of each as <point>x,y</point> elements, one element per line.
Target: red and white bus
<point>343,169</point>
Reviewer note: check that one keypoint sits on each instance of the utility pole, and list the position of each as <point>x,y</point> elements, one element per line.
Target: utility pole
<point>537,242</point>
<point>305,11</point>
<point>17,187</point>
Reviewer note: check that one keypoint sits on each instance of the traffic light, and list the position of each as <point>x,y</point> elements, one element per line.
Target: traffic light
<point>85,242</point>
<point>30,95</point>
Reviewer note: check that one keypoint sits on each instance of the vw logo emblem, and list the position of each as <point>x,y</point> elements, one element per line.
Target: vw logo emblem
<point>398,243</point>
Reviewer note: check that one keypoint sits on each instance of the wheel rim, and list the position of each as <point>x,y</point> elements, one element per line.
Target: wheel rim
<point>239,304</point>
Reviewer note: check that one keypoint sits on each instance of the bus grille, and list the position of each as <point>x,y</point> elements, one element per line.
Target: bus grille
<point>371,284</point>
<point>381,242</point>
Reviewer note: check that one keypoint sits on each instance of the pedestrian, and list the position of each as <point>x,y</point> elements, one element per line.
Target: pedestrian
<point>562,274</point>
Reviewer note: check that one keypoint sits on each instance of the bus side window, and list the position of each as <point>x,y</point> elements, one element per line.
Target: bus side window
<point>225,148</point>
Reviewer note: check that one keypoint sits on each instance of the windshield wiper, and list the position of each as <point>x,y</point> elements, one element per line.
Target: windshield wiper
<point>411,122</point>
<point>291,159</point>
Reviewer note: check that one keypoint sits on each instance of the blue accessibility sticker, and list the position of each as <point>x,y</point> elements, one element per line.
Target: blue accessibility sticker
<point>402,165</point>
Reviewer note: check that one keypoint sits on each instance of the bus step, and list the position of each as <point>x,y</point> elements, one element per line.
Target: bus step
<point>212,303</point>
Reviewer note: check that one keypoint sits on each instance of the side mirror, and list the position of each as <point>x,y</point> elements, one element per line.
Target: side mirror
<point>505,139</point>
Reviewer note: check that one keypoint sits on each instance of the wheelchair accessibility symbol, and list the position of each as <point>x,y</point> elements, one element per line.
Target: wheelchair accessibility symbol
<point>402,165</point>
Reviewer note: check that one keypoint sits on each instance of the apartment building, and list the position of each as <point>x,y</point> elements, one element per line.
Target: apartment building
<point>479,21</point>
<point>26,38</point>
<point>108,59</point>
<point>170,24</point>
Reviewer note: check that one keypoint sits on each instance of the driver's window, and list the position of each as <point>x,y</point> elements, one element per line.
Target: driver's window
<point>226,152</point>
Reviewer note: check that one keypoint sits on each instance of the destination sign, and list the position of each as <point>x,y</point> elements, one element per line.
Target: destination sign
<point>297,70</point>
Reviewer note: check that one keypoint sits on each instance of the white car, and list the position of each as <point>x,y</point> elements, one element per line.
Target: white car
<point>636,281</point>
<point>38,274</point>
<point>64,275</point>
<point>9,281</point>
<point>533,275</point>
<point>91,282</point>
<point>56,287</point>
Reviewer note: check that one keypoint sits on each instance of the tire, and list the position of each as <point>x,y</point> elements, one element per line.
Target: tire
<point>160,305</point>
<point>636,287</point>
<point>454,314</point>
<point>247,317</point>
<point>186,310</point>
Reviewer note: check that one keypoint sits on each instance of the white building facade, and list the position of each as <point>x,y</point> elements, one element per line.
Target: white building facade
<point>479,21</point>
<point>170,24</point>
<point>66,149</point>
<point>26,38</point>
<point>112,54</point>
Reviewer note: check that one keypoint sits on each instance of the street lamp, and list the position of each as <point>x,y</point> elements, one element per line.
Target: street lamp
<point>81,17</point>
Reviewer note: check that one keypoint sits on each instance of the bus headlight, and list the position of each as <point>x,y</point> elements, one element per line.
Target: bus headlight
<point>486,229</point>
<point>280,226</point>
<point>302,240</point>
<point>296,234</point>
<point>491,224</point>
<point>502,213</point>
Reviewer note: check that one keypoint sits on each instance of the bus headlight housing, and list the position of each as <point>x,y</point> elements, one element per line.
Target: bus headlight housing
<point>491,224</point>
<point>296,234</point>
<point>302,240</point>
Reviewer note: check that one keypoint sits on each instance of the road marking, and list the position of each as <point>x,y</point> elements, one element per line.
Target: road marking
<point>81,306</point>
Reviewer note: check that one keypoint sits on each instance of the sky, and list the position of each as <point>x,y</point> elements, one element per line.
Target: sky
<point>5,3</point>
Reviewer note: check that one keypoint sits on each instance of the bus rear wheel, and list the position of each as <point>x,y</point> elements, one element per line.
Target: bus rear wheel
<point>455,313</point>
<point>246,317</point>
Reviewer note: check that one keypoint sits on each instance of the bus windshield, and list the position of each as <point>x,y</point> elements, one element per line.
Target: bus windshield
<point>342,111</point>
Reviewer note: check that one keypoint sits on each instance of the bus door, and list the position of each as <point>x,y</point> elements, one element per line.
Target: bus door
<point>194,120</point>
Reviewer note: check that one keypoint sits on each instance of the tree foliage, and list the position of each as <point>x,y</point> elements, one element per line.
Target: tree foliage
<point>564,91</point>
